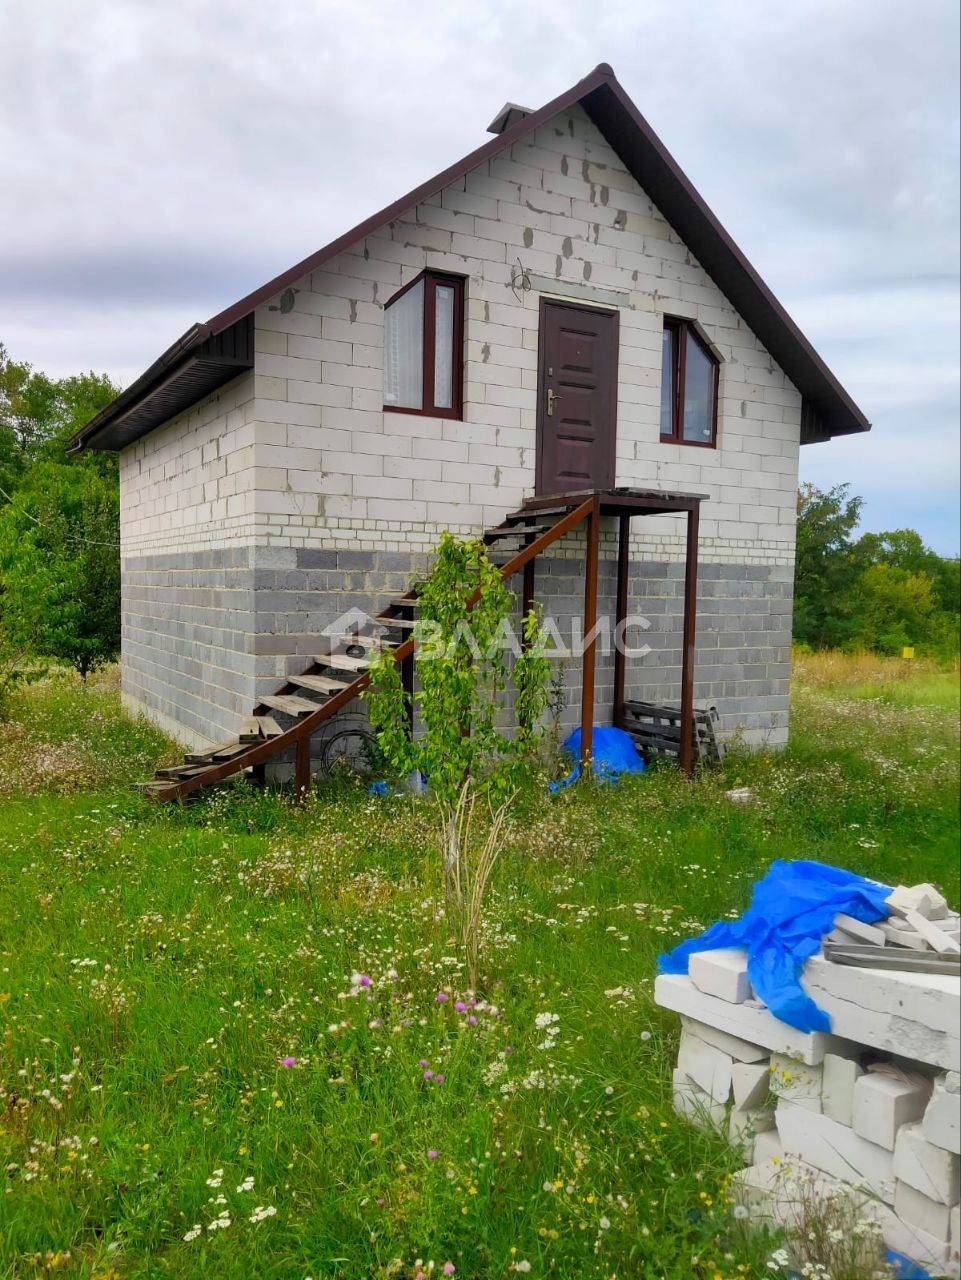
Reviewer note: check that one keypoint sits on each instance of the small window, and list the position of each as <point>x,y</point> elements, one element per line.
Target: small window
<point>689,375</point>
<point>423,347</point>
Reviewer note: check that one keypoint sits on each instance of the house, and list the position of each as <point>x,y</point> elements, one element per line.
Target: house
<point>558,313</point>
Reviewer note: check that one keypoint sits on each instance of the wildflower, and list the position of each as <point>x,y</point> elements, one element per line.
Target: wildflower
<point>246,1185</point>
<point>472,1021</point>
<point>645,1036</point>
<point>428,1074</point>
<point>288,1062</point>
<point>193,1233</point>
<point>523,1266</point>
<point>441,997</point>
<point>432,1155</point>
<point>448,1269</point>
<point>609,1090</point>
<point>741,1212</point>
<point>262,1212</point>
<point>439,1078</point>
<point>604,1223</point>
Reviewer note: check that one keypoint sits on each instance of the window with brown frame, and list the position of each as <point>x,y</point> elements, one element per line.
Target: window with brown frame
<point>689,378</point>
<point>424,347</point>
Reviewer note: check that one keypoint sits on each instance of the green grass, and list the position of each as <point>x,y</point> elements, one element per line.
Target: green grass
<point>158,965</point>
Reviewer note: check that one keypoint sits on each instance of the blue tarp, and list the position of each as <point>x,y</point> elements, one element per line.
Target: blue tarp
<point>904,1268</point>
<point>791,910</point>
<point>612,753</point>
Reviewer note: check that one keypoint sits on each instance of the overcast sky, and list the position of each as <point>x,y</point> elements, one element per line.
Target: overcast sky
<point>159,158</point>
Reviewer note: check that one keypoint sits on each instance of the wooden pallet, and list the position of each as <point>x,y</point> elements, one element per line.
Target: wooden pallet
<point>656,727</point>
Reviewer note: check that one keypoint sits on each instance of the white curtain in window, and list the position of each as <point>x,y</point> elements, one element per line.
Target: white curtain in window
<point>404,350</point>
<point>443,347</point>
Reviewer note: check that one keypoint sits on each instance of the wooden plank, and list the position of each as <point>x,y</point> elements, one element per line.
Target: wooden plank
<point>290,704</point>
<point>401,624</point>
<point>341,662</point>
<point>235,749</point>
<point>203,757</point>
<point>250,730</point>
<point>269,727</point>
<point>319,684</point>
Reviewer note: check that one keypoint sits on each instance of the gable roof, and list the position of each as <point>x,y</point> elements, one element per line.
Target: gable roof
<point>195,364</point>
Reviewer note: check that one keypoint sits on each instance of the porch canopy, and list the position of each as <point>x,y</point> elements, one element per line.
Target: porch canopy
<point>625,504</point>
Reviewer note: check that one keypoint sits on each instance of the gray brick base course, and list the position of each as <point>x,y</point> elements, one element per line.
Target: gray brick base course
<point>206,633</point>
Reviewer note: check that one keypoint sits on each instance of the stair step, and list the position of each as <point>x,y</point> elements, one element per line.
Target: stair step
<point>235,749</point>
<point>343,662</point>
<point>514,531</point>
<point>178,771</point>
<point>290,704</point>
<point>405,604</point>
<point>204,757</point>
<point>319,684</point>
<point>269,728</point>
<point>250,730</point>
<point>402,624</point>
<point>369,642</point>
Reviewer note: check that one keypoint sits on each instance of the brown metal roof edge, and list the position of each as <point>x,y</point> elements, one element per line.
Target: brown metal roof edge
<point>602,77</point>
<point>601,74</point>
<point>185,344</point>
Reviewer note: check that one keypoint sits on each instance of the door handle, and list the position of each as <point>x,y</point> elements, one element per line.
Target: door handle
<point>550,402</point>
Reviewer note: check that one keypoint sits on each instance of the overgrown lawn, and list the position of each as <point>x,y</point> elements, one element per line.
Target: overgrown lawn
<point>235,1040</point>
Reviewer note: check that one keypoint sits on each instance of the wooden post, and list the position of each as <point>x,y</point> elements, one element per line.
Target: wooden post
<point>527,593</point>
<point>302,768</point>
<point>590,622</point>
<point>623,563</point>
<point>689,643</point>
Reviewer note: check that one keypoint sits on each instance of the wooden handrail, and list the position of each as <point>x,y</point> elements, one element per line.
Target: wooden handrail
<point>301,732</point>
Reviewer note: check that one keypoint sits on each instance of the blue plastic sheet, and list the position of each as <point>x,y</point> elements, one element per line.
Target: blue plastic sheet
<point>612,753</point>
<point>904,1268</point>
<point>791,910</point>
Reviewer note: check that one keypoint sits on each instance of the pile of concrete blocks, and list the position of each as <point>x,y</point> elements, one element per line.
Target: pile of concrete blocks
<point>873,1108</point>
<point>919,920</point>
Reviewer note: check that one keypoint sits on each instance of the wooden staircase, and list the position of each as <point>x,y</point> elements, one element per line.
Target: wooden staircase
<point>286,720</point>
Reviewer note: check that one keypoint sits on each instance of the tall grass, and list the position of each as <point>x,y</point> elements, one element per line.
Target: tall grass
<point>236,1041</point>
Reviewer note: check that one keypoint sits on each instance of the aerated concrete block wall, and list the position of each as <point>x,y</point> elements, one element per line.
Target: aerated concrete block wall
<point>336,499</point>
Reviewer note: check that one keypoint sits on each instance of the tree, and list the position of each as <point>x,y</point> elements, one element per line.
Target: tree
<point>60,565</point>
<point>825,567</point>
<point>469,763</point>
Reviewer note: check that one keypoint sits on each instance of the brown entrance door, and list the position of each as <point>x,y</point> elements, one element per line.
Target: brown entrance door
<point>577,398</point>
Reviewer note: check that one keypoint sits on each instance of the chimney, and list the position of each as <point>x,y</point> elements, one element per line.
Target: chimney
<point>508,115</point>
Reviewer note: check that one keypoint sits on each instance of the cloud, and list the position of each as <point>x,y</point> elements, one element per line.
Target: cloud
<point>160,160</point>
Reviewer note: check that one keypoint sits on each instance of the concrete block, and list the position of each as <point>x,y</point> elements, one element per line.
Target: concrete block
<point>739,1050</point>
<point>929,1169</point>
<point>755,1025</point>
<point>721,973</point>
<point>917,1015</point>
<point>857,929</point>
<point>923,898</point>
<point>708,1067</point>
<point>883,1104</point>
<point>835,1149</point>
<point>956,1233</point>
<point>695,1105</point>
<point>918,1210</point>
<point>744,1128</point>
<point>796,1082</point>
<point>768,1147</point>
<point>942,1118</point>
<point>916,1244</point>
<point>837,1087</point>
<point>751,1084</point>
<point>934,936</point>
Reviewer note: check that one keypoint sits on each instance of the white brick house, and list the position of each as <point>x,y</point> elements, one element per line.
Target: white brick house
<point>277,467</point>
